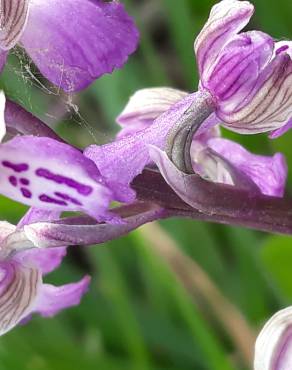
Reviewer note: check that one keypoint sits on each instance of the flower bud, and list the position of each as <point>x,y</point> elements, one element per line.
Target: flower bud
<point>273,350</point>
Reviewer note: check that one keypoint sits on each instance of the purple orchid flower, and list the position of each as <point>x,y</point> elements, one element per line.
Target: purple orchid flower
<point>22,265</point>
<point>245,85</point>
<point>71,42</point>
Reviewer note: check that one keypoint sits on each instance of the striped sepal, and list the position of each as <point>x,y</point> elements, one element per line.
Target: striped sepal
<point>13,17</point>
<point>270,104</point>
<point>19,289</point>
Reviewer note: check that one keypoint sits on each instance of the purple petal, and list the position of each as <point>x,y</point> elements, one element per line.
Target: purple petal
<point>226,19</point>
<point>45,173</point>
<point>119,162</point>
<point>281,131</point>
<point>45,260</point>
<point>13,15</point>
<point>238,68</point>
<point>75,42</point>
<point>52,299</point>
<point>19,288</point>
<point>200,194</point>
<point>268,173</point>
<point>19,121</point>
<point>268,106</point>
<point>145,106</point>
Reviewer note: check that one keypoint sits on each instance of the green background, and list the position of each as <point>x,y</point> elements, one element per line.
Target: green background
<point>142,312</point>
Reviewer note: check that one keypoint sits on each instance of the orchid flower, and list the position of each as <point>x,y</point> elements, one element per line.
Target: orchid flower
<point>273,350</point>
<point>71,42</point>
<point>245,85</point>
<point>22,266</point>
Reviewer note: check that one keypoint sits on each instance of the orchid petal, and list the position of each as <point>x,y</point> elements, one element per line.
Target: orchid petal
<point>45,173</point>
<point>282,130</point>
<point>13,19</point>
<point>268,106</point>
<point>45,259</point>
<point>238,68</point>
<point>74,42</point>
<point>145,106</point>
<point>19,287</point>
<point>269,173</point>
<point>226,19</point>
<point>200,194</point>
<point>51,299</point>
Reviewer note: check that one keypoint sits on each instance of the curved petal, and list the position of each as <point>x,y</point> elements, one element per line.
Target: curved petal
<point>45,173</point>
<point>268,173</point>
<point>238,67</point>
<point>45,259</point>
<point>281,131</point>
<point>269,105</point>
<point>226,19</point>
<point>145,106</point>
<point>13,18</point>
<point>74,42</point>
<point>19,287</point>
<point>204,196</point>
<point>52,299</point>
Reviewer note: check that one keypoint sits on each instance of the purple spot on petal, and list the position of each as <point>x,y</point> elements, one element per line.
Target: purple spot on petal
<point>24,181</point>
<point>282,48</point>
<point>59,179</point>
<point>21,167</point>
<point>45,198</point>
<point>67,197</point>
<point>25,192</point>
<point>13,180</point>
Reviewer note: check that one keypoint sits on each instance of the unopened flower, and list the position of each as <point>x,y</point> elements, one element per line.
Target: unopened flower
<point>22,267</point>
<point>71,42</point>
<point>273,350</point>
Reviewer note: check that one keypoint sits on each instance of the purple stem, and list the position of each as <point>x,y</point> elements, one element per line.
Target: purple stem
<point>219,203</point>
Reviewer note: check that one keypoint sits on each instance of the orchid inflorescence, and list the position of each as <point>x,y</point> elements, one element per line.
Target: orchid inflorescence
<point>168,159</point>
